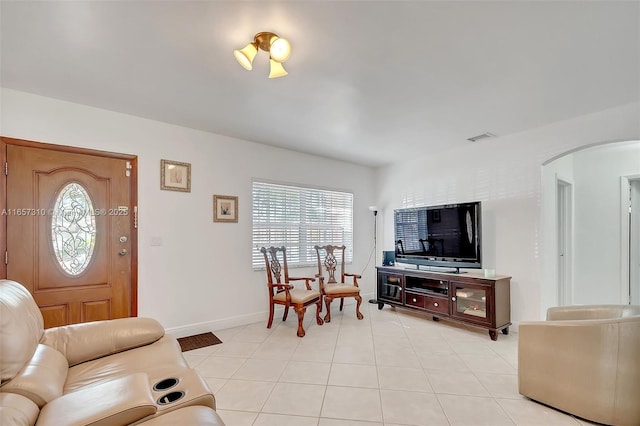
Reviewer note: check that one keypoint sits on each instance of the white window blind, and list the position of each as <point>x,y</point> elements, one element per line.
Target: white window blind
<point>299,218</point>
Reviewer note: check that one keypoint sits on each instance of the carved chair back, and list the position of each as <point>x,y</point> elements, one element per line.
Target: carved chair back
<point>331,261</point>
<point>275,259</point>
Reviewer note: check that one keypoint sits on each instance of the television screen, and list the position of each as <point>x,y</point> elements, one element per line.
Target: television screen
<point>447,235</point>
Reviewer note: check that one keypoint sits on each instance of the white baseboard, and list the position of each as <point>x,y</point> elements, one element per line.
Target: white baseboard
<point>221,324</point>
<point>239,321</point>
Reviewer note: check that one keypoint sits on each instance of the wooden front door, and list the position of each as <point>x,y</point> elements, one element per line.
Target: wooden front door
<point>71,232</point>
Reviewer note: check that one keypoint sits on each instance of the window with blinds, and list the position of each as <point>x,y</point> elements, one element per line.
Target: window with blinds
<point>300,218</point>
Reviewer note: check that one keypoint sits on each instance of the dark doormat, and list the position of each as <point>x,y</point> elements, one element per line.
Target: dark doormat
<point>198,341</point>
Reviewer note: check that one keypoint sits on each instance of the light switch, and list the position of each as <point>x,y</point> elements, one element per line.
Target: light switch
<point>156,241</point>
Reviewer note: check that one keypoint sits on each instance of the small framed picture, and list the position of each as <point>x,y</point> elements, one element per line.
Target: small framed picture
<point>225,208</point>
<point>175,176</point>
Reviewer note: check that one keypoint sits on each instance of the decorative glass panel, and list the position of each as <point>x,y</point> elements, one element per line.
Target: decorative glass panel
<point>73,229</point>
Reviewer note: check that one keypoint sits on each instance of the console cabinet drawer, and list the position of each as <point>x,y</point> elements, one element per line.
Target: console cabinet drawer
<point>436,304</point>
<point>415,300</point>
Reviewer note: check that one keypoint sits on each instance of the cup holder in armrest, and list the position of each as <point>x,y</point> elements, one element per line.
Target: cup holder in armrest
<point>165,384</point>
<point>170,397</point>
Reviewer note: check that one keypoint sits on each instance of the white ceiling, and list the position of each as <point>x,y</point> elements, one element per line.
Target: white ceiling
<point>369,81</point>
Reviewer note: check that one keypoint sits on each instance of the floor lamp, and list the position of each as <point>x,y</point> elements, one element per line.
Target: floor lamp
<point>374,209</point>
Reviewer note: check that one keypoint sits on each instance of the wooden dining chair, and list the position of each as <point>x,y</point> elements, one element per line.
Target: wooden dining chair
<point>331,262</point>
<point>282,292</point>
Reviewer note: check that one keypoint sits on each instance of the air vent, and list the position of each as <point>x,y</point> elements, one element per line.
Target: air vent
<point>482,136</point>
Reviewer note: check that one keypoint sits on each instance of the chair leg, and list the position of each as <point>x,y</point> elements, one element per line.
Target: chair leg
<point>358,302</point>
<point>318,310</point>
<point>341,303</point>
<point>300,311</point>
<point>270,316</point>
<point>286,312</point>
<point>328,300</point>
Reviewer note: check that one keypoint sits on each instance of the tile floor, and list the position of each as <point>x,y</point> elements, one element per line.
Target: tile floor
<point>392,368</point>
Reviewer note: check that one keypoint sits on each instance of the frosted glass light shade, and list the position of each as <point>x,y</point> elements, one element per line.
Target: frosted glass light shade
<point>276,69</point>
<point>245,56</point>
<point>280,49</point>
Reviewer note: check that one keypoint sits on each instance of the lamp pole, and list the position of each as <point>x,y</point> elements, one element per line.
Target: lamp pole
<point>375,243</point>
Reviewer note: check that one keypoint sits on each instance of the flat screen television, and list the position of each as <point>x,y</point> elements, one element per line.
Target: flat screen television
<point>442,236</point>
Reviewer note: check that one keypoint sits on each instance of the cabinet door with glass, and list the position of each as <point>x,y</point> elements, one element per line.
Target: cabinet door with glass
<point>471,302</point>
<point>389,287</point>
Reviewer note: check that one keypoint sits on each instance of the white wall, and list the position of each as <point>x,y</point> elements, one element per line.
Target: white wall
<point>598,240</point>
<point>505,174</point>
<point>201,277</point>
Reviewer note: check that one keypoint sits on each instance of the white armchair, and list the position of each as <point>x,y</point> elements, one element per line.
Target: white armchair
<point>584,360</point>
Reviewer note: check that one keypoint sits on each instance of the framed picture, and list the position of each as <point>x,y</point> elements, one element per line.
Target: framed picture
<point>225,208</point>
<point>175,176</point>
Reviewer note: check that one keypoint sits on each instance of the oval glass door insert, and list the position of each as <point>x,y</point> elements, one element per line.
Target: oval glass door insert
<point>73,228</point>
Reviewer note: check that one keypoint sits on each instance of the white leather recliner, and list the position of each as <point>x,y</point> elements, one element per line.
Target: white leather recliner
<point>584,360</point>
<point>117,372</point>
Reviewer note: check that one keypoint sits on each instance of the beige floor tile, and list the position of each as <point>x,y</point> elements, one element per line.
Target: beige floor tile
<point>426,346</point>
<point>220,367</point>
<point>193,360</point>
<point>276,348</point>
<point>456,383</point>
<point>397,357</point>
<point>412,408</point>
<point>500,385</point>
<point>253,333</point>
<point>525,412</point>
<point>228,333</point>
<point>243,395</point>
<point>355,336</point>
<point>354,354</point>
<point>314,353</point>
<point>473,378</point>
<point>264,370</point>
<point>265,419</point>
<point>295,399</point>
<point>442,361</point>
<point>473,347</point>
<point>314,373</point>
<point>237,348</point>
<point>338,422</point>
<point>400,341</point>
<point>352,404</point>
<point>401,378</point>
<point>237,418</point>
<point>215,384</point>
<point>487,364</point>
<point>354,375</point>
<point>473,411</point>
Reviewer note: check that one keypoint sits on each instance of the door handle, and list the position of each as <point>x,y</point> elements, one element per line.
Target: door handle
<point>123,252</point>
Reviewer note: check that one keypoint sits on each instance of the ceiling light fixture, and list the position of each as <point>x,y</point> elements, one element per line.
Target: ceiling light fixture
<point>279,50</point>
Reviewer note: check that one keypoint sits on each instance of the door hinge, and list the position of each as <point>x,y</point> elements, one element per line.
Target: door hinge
<point>6,257</point>
<point>135,217</point>
<point>128,168</point>
<point>6,169</point>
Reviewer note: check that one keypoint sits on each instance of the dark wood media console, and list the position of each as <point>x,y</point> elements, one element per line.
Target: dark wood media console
<point>469,298</point>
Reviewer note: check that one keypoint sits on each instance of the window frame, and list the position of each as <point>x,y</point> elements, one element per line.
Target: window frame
<point>300,253</point>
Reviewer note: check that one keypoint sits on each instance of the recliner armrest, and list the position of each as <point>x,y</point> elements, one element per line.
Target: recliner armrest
<point>92,340</point>
<point>17,410</point>
<point>117,402</point>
